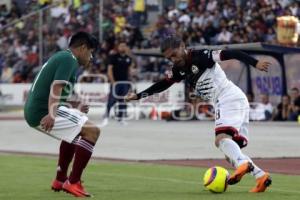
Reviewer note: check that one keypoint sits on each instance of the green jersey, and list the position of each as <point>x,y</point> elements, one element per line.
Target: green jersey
<point>61,66</point>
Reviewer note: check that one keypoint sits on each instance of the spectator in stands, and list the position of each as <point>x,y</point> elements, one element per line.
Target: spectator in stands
<point>224,37</point>
<point>44,3</point>
<point>295,104</point>
<point>184,18</point>
<point>266,107</point>
<point>120,22</point>
<point>139,9</point>
<point>253,106</point>
<point>7,73</point>
<point>283,109</point>
<point>261,111</point>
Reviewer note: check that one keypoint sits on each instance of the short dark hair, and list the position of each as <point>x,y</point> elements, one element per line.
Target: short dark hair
<point>170,42</point>
<point>81,38</point>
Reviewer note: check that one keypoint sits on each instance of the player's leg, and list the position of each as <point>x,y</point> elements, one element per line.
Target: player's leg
<point>263,179</point>
<point>69,124</point>
<point>234,154</point>
<point>83,152</point>
<point>66,153</point>
<point>229,117</point>
<point>230,140</point>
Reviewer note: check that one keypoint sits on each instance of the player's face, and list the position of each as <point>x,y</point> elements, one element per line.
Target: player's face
<point>86,55</point>
<point>177,56</point>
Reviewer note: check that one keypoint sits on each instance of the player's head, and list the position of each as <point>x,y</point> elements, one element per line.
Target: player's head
<point>85,44</point>
<point>173,49</point>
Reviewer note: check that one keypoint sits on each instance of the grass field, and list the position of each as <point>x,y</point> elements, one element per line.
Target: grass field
<point>27,178</point>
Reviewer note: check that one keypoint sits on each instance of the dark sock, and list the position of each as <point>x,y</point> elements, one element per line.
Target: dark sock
<point>83,153</point>
<point>66,153</point>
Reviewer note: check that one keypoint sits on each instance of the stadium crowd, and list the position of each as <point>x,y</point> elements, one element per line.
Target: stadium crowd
<point>206,22</point>
<point>287,110</point>
<point>214,22</point>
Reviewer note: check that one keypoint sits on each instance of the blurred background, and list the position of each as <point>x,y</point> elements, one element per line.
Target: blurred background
<point>32,30</point>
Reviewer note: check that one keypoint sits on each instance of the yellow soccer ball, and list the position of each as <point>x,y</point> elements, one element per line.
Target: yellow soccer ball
<point>215,179</point>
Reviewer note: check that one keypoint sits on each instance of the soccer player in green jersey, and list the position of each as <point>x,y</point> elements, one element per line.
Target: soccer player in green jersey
<point>46,110</point>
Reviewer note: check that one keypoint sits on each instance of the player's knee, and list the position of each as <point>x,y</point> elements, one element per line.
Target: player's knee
<point>217,143</point>
<point>97,132</point>
<point>220,137</point>
<point>91,133</point>
<point>94,133</point>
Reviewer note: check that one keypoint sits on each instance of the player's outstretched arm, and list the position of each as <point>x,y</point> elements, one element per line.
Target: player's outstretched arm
<point>155,88</point>
<point>245,58</point>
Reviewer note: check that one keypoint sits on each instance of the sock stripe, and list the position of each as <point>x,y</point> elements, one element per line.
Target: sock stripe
<point>85,145</point>
<point>75,141</point>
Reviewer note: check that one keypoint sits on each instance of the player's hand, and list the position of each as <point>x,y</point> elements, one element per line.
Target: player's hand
<point>263,65</point>
<point>47,123</point>
<point>130,97</point>
<point>84,108</point>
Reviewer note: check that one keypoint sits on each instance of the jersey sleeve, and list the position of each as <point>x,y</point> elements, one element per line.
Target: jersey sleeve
<point>155,88</point>
<point>66,67</point>
<point>207,57</point>
<point>238,55</point>
<point>174,75</point>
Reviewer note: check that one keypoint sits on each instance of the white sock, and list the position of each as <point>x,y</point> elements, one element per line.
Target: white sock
<point>232,150</point>
<point>257,172</point>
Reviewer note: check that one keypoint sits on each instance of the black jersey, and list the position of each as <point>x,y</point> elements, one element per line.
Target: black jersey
<point>198,61</point>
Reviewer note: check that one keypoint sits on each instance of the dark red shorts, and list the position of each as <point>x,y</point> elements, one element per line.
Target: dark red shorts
<point>239,139</point>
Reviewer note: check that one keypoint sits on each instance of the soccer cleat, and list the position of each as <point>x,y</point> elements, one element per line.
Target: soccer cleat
<point>240,172</point>
<point>262,183</point>
<point>75,189</point>
<point>57,185</point>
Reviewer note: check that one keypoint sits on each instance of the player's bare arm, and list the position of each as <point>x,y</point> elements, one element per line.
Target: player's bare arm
<point>47,122</point>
